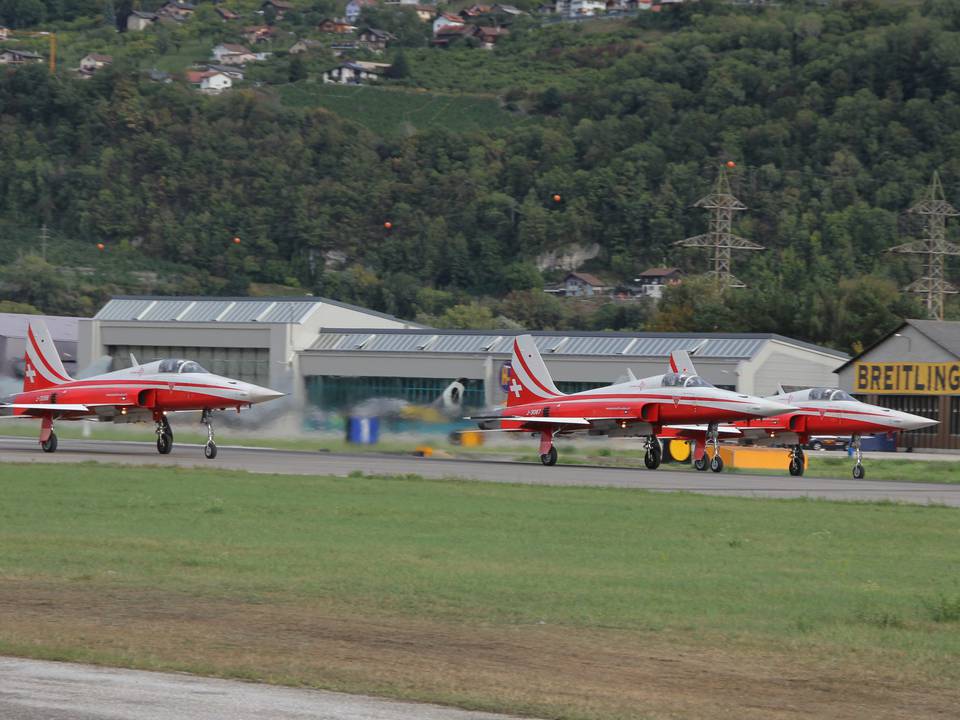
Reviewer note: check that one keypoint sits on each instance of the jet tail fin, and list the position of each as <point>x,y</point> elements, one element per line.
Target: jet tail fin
<point>530,380</point>
<point>680,362</point>
<point>42,367</point>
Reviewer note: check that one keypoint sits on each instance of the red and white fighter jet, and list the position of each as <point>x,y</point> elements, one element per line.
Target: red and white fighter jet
<point>826,411</point>
<point>136,394</point>
<point>636,408</point>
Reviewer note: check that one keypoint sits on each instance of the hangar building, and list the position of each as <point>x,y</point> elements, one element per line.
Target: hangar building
<point>333,355</point>
<point>419,362</point>
<point>914,368</point>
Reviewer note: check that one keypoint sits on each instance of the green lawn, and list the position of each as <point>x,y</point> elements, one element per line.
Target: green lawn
<point>874,584</point>
<point>394,111</point>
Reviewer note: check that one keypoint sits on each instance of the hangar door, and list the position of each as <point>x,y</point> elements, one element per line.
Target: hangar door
<point>247,364</point>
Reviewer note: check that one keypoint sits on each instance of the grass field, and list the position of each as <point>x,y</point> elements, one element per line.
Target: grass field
<point>393,112</point>
<point>558,602</point>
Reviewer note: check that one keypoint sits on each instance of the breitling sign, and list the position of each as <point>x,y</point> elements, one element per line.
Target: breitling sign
<point>900,378</point>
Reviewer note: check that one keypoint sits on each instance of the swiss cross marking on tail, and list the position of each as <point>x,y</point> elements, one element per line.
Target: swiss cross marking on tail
<point>515,387</point>
<point>30,373</point>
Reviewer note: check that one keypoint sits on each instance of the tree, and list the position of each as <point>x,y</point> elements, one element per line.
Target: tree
<point>399,69</point>
<point>298,69</point>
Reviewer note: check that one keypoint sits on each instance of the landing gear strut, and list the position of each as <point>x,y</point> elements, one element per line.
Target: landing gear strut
<point>796,460</point>
<point>48,438</point>
<point>548,453</point>
<point>713,435</point>
<point>210,449</point>
<point>654,453</point>
<point>858,472</point>
<point>164,436</point>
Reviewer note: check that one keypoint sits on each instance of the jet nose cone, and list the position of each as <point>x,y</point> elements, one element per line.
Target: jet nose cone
<point>768,408</point>
<point>259,394</point>
<point>914,422</point>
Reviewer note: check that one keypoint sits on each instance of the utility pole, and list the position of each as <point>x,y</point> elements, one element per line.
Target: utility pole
<point>722,204</point>
<point>935,210</point>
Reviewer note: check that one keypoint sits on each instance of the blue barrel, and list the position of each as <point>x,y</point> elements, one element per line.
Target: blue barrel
<point>363,430</point>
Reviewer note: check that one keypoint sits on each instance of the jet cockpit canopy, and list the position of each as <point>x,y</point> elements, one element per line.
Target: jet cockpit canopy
<point>178,365</point>
<point>829,394</point>
<point>681,380</point>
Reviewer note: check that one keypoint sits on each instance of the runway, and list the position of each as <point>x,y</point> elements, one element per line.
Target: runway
<point>40,690</point>
<point>259,460</point>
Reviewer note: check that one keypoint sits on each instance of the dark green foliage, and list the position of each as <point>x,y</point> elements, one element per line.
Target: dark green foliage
<point>835,116</point>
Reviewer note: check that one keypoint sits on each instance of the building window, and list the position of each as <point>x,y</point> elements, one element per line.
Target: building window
<point>955,416</point>
<point>340,393</point>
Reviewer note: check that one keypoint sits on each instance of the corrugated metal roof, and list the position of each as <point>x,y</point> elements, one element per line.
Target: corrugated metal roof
<point>707,345</point>
<point>228,310</point>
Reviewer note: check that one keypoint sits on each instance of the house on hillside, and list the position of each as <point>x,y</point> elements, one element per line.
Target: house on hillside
<point>586,8</point>
<point>506,11</point>
<point>475,11</point>
<point>233,72</point>
<point>374,40</point>
<point>18,57</point>
<point>425,12</point>
<point>178,11</point>
<point>227,14</point>
<point>4,33</point>
<point>652,281</point>
<point>255,34</point>
<point>580,284</point>
<point>335,26</point>
<point>444,20</point>
<point>355,73</point>
<point>304,45</point>
<point>89,64</point>
<point>449,34</point>
<point>139,20</point>
<point>489,36</point>
<point>209,81</point>
<point>280,7</point>
<point>354,7</point>
<point>232,54</point>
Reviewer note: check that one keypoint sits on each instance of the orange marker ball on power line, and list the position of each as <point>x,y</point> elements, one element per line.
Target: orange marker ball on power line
<point>236,241</point>
<point>557,198</point>
<point>731,164</point>
<point>100,246</point>
<point>388,225</point>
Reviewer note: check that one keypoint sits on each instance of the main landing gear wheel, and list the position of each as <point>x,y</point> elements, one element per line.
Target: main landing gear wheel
<point>210,451</point>
<point>50,444</point>
<point>548,458</point>
<point>654,454</point>
<point>716,465</point>
<point>702,463</point>
<point>858,472</point>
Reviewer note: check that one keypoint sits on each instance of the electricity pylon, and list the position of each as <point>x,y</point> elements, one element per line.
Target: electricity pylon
<point>722,204</point>
<point>935,210</point>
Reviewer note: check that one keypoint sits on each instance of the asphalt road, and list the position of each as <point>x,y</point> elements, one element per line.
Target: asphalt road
<point>40,690</point>
<point>259,460</point>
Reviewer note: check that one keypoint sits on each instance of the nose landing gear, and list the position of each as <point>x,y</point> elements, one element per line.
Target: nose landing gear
<point>210,449</point>
<point>858,471</point>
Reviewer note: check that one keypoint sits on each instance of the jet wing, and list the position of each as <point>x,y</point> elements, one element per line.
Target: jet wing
<point>693,431</point>
<point>571,421</point>
<point>60,407</point>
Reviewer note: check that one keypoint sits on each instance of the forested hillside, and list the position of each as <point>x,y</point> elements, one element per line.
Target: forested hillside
<point>836,118</point>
